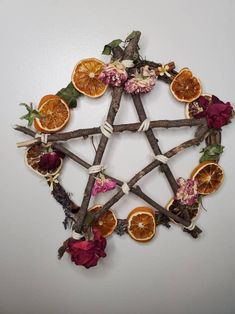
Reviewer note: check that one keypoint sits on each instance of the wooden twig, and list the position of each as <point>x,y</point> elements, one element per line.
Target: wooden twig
<point>69,206</point>
<point>214,137</point>
<point>131,127</point>
<point>145,171</point>
<point>62,197</point>
<point>113,109</point>
<point>153,141</point>
<point>134,189</point>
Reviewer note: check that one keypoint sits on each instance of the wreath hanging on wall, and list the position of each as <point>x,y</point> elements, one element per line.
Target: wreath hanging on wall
<point>127,72</point>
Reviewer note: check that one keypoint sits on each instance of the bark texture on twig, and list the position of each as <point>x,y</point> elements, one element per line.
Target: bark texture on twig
<point>131,127</point>
<point>62,197</point>
<point>113,109</point>
<point>153,141</point>
<point>134,189</point>
<point>145,171</point>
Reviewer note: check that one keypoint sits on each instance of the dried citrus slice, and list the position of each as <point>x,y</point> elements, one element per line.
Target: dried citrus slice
<point>185,87</point>
<point>54,114</point>
<point>32,160</point>
<point>141,224</point>
<point>85,77</point>
<point>209,176</point>
<point>193,210</point>
<point>194,108</point>
<point>107,223</point>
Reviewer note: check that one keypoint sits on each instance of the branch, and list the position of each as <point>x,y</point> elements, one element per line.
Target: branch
<point>73,208</point>
<point>134,189</point>
<point>113,109</point>
<point>62,197</point>
<point>153,141</point>
<point>132,127</point>
<point>145,171</point>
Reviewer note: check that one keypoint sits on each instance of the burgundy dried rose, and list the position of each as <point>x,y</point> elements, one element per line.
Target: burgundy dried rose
<point>87,252</point>
<point>187,191</point>
<point>49,161</point>
<point>218,113</point>
<point>202,104</point>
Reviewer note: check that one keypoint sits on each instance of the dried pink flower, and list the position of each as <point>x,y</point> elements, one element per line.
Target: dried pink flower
<point>103,185</point>
<point>187,192</point>
<point>114,74</point>
<point>142,81</point>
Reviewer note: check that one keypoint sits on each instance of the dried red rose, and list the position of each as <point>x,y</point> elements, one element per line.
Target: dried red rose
<point>49,161</point>
<point>87,252</point>
<point>218,113</point>
<point>202,103</point>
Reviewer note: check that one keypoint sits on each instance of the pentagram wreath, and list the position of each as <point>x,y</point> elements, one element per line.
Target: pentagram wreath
<point>127,72</point>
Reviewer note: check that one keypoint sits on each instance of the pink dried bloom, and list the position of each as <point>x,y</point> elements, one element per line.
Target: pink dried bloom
<point>142,81</point>
<point>103,185</point>
<point>187,192</point>
<point>114,74</point>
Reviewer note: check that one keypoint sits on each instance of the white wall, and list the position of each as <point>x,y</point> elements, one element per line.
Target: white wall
<point>40,43</point>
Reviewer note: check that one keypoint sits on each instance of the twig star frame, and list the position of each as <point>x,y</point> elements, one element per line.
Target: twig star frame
<point>127,73</point>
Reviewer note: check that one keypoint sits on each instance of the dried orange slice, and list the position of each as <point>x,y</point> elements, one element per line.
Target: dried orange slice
<point>54,114</point>
<point>107,223</point>
<point>85,77</point>
<point>141,224</point>
<point>193,108</point>
<point>209,176</point>
<point>32,159</point>
<point>185,87</point>
<point>192,210</point>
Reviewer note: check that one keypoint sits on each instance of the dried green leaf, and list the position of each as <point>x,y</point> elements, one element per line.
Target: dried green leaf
<point>69,94</point>
<point>212,152</point>
<point>31,113</point>
<point>131,36</point>
<point>107,50</point>
<point>113,44</point>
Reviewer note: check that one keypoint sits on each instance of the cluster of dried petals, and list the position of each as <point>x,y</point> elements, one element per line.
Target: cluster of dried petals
<point>217,112</point>
<point>114,74</point>
<point>85,252</point>
<point>187,191</point>
<point>49,161</point>
<point>103,185</point>
<point>142,81</point>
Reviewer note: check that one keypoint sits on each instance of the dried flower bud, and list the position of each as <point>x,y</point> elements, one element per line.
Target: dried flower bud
<point>103,185</point>
<point>142,81</point>
<point>114,74</point>
<point>187,192</point>
<point>49,161</point>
